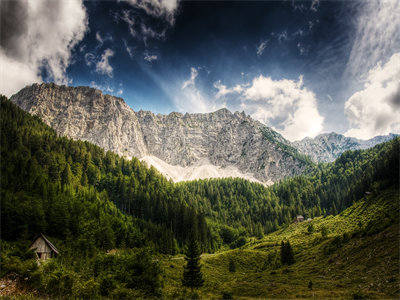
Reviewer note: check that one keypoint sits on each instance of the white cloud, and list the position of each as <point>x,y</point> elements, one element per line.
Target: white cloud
<point>103,65</point>
<point>375,110</point>
<point>38,35</point>
<point>188,98</point>
<point>285,105</point>
<point>128,49</point>
<point>141,26</point>
<point>150,58</point>
<point>101,39</point>
<point>191,81</point>
<point>130,21</point>
<point>158,8</point>
<point>376,36</point>
<point>261,47</point>
<point>89,59</point>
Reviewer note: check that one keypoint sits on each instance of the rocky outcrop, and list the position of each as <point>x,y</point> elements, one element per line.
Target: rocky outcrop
<point>228,141</point>
<point>328,146</point>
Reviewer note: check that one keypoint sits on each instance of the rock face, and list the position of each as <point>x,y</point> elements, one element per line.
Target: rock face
<point>328,146</point>
<point>218,144</point>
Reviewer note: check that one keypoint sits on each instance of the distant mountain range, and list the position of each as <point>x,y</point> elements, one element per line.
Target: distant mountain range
<point>328,146</point>
<point>182,146</point>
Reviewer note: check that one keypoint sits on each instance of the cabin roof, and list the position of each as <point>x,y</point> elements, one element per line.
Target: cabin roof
<point>47,242</point>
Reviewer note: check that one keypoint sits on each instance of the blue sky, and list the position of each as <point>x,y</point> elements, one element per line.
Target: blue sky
<point>301,67</point>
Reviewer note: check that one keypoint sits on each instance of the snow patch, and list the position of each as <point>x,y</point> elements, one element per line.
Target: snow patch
<point>200,170</point>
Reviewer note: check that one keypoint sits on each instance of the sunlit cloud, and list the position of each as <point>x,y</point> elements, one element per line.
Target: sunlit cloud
<point>32,42</point>
<point>103,65</point>
<point>375,110</point>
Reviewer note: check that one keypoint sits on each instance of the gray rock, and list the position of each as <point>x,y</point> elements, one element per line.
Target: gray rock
<point>328,146</point>
<point>222,138</point>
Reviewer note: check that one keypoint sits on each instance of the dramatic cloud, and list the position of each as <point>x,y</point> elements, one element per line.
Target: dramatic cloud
<point>158,8</point>
<point>375,110</point>
<point>376,35</point>
<point>139,18</point>
<point>103,65</point>
<point>38,36</point>
<point>285,105</point>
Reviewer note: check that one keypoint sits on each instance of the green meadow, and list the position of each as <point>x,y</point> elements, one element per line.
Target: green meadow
<point>357,257</point>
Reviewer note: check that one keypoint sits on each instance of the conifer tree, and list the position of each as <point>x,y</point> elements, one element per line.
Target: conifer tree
<point>192,276</point>
<point>287,256</point>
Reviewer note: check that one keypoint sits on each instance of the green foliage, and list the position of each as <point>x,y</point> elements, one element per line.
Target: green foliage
<point>232,266</point>
<point>287,256</point>
<point>192,276</point>
<point>253,209</point>
<point>68,188</point>
<point>365,264</point>
<point>324,231</point>
<point>310,228</point>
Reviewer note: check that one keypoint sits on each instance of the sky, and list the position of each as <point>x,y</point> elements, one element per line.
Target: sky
<point>301,67</point>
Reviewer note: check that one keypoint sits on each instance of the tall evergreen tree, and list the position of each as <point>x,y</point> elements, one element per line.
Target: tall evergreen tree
<point>287,256</point>
<point>192,276</point>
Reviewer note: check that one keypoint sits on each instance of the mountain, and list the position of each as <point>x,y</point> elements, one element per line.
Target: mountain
<point>181,146</point>
<point>111,218</point>
<point>328,146</point>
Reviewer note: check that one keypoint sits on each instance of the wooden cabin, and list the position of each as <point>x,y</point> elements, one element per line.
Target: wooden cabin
<point>299,219</point>
<point>44,249</point>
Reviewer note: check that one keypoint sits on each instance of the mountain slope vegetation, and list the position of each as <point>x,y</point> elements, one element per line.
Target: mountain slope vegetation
<point>115,220</point>
<point>253,209</point>
<point>354,254</point>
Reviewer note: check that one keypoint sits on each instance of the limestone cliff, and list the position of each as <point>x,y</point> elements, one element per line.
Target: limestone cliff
<point>233,144</point>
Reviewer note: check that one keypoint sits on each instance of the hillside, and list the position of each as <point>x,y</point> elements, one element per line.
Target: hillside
<point>220,144</point>
<point>115,220</point>
<point>54,179</point>
<point>357,258</point>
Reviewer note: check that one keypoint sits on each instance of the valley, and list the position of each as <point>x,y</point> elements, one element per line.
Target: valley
<point>122,228</point>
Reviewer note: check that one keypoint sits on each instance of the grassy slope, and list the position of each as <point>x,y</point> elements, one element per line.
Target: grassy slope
<point>367,264</point>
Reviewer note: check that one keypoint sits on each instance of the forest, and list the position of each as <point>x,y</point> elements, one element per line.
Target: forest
<point>90,202</point>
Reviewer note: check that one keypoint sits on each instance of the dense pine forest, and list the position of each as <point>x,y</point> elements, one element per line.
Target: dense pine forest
<point>90,201</point>
<point>253,209</point>
<point>64,187</point>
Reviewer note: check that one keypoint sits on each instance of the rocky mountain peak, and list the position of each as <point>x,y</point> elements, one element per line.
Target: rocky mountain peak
<point>214,144</point>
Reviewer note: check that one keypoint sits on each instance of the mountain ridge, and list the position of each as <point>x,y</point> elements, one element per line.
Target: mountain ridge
<point>223,138</point>
<point>326,147</point>
<point>183,146</point>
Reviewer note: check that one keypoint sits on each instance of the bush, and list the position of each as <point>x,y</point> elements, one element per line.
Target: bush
<point>232,266</point>
<point>310,228</point>
<point>227,295</point>
<point>324,232</point>
<point>87,289</point>
<point>238,243</point>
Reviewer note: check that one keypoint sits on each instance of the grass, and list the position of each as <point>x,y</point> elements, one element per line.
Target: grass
<point>358,258</point>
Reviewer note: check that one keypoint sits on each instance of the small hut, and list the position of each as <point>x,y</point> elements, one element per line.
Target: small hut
<point>44,249</point>
<point>299,219</point>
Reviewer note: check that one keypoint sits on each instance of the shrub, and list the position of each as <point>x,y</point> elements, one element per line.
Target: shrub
<point>310,228</point>
<point>232,266</point>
